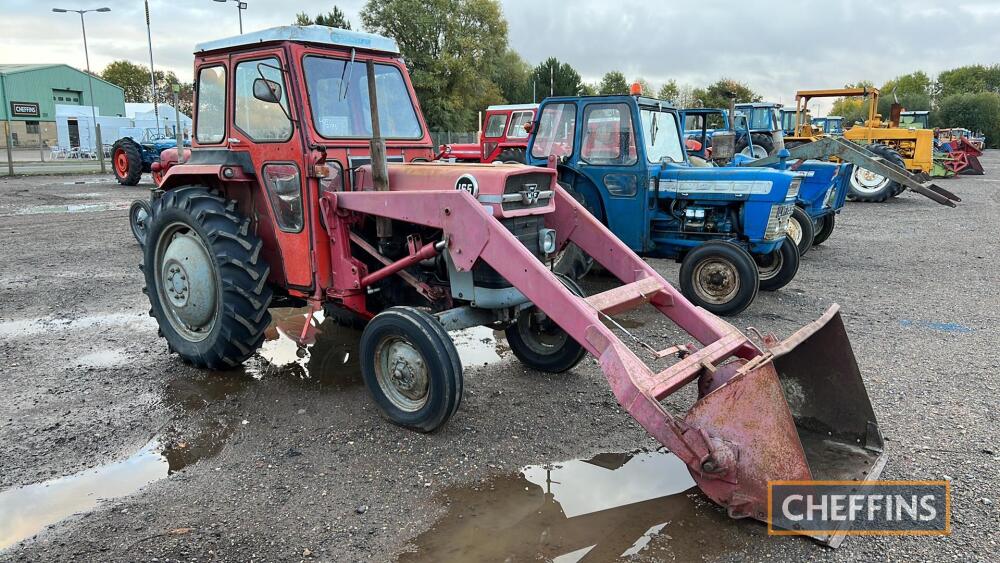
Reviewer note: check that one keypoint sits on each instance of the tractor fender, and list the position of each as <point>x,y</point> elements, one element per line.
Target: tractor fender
<point>582,186</point>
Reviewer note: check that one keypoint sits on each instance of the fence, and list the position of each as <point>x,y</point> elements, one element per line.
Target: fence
<point>448,137</point>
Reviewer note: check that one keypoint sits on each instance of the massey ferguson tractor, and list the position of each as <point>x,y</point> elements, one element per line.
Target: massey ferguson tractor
<point>289,199</point>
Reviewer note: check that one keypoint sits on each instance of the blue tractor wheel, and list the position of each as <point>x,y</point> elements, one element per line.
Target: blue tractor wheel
<point>779,267</point>
<point>720,277</point>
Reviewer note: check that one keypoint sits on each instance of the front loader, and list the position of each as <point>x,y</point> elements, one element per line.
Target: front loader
<point>289,198</point>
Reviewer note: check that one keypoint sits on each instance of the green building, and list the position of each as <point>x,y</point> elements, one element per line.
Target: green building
<point>29,95</point>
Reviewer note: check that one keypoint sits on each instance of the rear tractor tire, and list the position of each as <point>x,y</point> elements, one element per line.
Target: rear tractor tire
<point>411,368</point>
<point>512,156</point>
<point>205,279</point>
<point>801,229</point>
<point>139,215</point>
<point>778,268</point>
<point>720,277</point>
<point>540,343</point>
<point>868,186</point>
<point>126,161</point>
<point>761,145</point>
<point>829,222</point>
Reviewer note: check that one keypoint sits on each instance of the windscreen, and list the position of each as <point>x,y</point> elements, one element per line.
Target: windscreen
<point>661,136</point>
<point>556,131</point>
<point>338,96</point>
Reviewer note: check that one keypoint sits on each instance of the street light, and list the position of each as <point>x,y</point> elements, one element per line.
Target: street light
<point>90,79</point>
<point>240,6</point>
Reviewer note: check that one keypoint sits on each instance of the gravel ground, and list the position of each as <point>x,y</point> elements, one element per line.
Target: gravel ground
<point>288,460</point>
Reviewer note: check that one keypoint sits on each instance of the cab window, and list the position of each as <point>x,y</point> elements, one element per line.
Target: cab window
<point>556,130</point>
<point>210,119</point>
<point>608,136</point>
<point>495,125</point>
<point>517,121</point>
<point>260,120</point>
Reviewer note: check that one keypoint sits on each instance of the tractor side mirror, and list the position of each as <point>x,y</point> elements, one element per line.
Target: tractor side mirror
<point>267,90</point>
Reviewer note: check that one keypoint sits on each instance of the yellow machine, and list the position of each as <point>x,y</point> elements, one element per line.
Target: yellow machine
<point>914,146</point>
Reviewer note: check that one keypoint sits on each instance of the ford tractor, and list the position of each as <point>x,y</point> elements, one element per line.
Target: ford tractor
<point>823,190</point>
<point>304,188</point>
<point>764,123</point>
<point>623,158</point>
<point>503,139</point>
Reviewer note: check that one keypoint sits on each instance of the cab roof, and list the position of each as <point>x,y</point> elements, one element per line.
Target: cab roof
<point>642,100</point>
<point>316,34</point>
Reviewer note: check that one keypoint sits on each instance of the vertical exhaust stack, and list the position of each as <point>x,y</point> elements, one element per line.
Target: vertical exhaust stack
<point>380,171</point>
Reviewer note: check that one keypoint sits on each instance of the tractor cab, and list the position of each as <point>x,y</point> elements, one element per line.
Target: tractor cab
<point>502,138</point>
<point>915,119</point>
<point>765,128</point>
<point>625,157</point>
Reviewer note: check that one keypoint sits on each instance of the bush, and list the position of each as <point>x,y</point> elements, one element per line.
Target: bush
<point>976,112</point>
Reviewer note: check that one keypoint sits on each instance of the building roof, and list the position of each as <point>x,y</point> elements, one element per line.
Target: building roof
<point>320,34</point>
<point>11,69</point>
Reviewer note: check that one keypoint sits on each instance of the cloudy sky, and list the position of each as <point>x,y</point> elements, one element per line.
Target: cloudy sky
<point>777,47</point>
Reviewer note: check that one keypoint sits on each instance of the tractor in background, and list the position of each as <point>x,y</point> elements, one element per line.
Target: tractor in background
<point>289,199</point>
<point>502,139</point>
<point>830,125</point>
<point>823,190</point>
<point>132,158</point>
<point>765,136</point>
<point>623,157</point>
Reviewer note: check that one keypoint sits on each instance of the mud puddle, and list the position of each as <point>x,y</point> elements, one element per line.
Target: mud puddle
<point>605,508</point>
<point>25,511</point>
<point>72,208</point>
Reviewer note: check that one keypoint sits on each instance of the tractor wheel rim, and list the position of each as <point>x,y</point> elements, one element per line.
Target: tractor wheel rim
<point>866,181</point>
<point>402,373</point>
<point>121,162</point>
<point>187,282</point>
<point>770,265</point>
<point>794,230</point>
<point>754,151</point>
<point>716,281</point>
<point>539,333</point>
<point>138,220</point>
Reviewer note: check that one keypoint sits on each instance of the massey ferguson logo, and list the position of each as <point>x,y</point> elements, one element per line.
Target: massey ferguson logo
<point>529,195</point>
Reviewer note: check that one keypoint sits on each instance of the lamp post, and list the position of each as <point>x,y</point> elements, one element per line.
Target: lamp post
<point>152,74</point>
<point>90,79</point>
<point>240,6</point>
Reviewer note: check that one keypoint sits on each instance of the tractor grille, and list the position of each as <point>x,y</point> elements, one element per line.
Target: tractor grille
<point>526,230</point>
<point>525,191</point>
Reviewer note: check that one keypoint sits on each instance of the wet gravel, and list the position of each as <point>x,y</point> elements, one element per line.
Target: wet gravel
<point>293,462</point>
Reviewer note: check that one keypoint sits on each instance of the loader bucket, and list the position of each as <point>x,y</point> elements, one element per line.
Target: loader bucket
<point>801,414</point>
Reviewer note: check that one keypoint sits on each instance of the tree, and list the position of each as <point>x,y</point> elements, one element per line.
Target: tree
<point>970,79</point>
<point>132,78</point>
<point>451,47</point>
<point>977,112</point>
<point>588,90</point>
<point>912,90</point>
<point>512,75</point>
<point>557,79</point>
<point>717,95</point>
<point>335,18</point>
<point>613,83</point>
<point>669,91</point>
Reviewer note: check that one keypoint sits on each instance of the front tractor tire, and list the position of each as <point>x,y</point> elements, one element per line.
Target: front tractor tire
<point>720,277</point>
<point>126,159</point>
<point>829,222</point>
<point>779,267</point>
<point>138,218</point>
<point>868,186</point>
<point>801,230</point>
<point>205,278</point>
<point>411,368</point>
<point>540,343</point>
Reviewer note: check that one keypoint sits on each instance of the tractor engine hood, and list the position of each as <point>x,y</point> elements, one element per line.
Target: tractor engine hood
<point>727,183</point>
<point>506,190</point>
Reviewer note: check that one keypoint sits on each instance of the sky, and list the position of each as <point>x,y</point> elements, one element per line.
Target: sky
<point>775,46</point>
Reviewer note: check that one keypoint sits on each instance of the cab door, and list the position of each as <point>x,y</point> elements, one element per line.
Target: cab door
<point>266,131</point>
<point>610,156</point>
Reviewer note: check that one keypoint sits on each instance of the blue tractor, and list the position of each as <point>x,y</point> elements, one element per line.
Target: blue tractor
<point>831,124</point>
<point>623,157</point>
<point>763,136</point>
<point>130,158</point>
<point>824,186</point>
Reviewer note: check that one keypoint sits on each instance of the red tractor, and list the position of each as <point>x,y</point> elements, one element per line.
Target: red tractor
<point>304,187</point>
<point>503,139</point>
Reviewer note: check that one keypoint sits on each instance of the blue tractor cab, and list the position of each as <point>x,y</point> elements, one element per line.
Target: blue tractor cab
<point>821,195</point>
<point>831,124</point>
<point>765,129</point>
<point>787,116</point>
<point>624,158</point>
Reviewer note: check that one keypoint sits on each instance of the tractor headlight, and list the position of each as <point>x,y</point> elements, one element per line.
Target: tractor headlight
<point>547,240</point>
<point>777,221</point>
<point>793,188</point>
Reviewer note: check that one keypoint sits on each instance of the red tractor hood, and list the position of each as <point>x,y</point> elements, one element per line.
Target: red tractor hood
<point>508,189</point>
